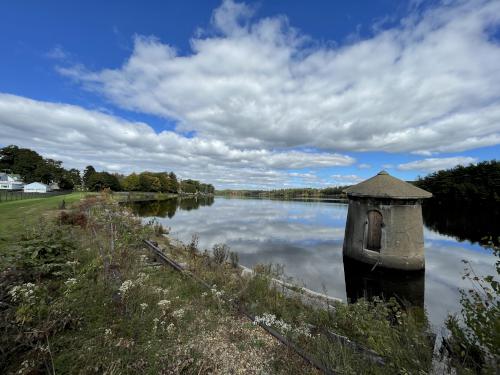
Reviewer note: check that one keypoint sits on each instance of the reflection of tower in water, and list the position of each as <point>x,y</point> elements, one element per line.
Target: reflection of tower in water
<point>366,281</point>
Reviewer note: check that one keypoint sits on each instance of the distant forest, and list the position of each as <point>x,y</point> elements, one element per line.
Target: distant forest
<point>330,192</point>
<point>33,167</point>
<point>465,202</point>
<point>476,183</point>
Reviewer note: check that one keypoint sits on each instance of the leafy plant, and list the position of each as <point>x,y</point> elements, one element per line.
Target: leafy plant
<point>474,339</point>
<point>220,253</point>
<point>234,258</point>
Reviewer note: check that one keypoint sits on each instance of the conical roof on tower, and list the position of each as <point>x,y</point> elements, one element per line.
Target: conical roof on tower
<point>383,185</point>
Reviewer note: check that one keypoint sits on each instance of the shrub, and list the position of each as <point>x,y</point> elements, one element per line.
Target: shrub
<point>234,258</point>
<point>475,343</point>
<point>220,253</point>
<point>73,218</point>
<point>192,248</point>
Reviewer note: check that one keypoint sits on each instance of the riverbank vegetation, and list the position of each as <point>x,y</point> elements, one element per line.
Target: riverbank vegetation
<point>79,292</point>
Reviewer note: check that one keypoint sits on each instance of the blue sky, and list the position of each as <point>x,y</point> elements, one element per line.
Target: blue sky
<point>253,94</point>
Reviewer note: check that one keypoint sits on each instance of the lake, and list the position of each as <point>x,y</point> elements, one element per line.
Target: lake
<point>306,238</point>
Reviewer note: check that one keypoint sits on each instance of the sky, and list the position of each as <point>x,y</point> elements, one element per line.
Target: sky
<point>268,94</point>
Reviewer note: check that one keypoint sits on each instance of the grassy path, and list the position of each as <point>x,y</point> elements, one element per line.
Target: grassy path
<point>16,215</point>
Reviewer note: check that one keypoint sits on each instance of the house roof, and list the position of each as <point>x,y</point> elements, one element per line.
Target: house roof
<point>9,177</point>
<point>35,184</point>
<point>383,185</point>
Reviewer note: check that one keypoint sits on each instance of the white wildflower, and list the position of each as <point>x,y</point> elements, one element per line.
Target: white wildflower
<point>170,328</point>
<point>178,313</point>
<point>271,320</point>
<point>219,293</point>
<point>126,285</point>
<point>164,304</point>
<point>144,306</point>
<point>141,278</point>
<point>155,324</point>
<point>71,281</point>
<point>24,292</point>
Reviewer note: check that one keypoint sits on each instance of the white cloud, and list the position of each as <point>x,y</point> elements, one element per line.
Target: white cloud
<point>430,85</point>
<point>79,137</point>
<point>434,164</point>
<point>342,180</point>
<point>57,53</point>
<point>364,166</point>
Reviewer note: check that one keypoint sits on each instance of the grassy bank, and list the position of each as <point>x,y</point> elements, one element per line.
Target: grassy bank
<point>17,216</point>
<point>83,294</point>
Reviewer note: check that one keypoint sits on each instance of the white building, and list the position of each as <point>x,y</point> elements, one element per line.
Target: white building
<point>10,182</point>
<point>36,187</point>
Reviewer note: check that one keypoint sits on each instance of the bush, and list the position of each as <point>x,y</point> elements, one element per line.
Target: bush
<point>192,248</point>
<point>73,218</point>
<point>234,258</point>
<point>475,343</point>
<point>220,253</point>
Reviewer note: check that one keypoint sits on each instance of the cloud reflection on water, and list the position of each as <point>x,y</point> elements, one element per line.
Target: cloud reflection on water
<point>307,237</point>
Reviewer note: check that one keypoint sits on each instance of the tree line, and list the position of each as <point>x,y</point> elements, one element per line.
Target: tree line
<point>329,192</point>
<point>477,183</point>
<point>160,182</point>
<point>32,167</point>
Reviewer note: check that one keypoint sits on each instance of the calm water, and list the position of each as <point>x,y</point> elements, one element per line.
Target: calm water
<point>306,238</point>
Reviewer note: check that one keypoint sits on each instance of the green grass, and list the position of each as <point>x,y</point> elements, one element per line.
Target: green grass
<point>17,215</point>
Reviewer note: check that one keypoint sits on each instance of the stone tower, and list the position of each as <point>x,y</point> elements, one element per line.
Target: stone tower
<point>384,223</point>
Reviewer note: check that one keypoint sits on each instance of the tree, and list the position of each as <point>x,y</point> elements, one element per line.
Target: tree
<point>189,186</point>
<point>148,182</point>
<point>74,175</point>
<point>102,180</point>
<point>89,171</point>
<point>22,161</point>
<point>173,184</point>
<point>131,183</point>
<point>65,184</point>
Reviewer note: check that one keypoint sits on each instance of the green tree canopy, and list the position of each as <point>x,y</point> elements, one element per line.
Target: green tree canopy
<point>102,180</point>
<point>477,183</point>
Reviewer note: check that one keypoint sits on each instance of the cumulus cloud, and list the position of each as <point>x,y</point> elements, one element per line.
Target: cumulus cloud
<point>79,137</point>
<point>342,180</point>
<point>429,85</point>
<point>434,164</point>
<point>364,166</point>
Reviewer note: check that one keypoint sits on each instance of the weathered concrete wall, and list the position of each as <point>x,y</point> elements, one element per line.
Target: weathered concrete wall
<point>402,243</point>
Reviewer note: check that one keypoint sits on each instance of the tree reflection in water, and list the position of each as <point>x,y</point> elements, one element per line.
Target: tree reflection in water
<point>168,207</point>
<point>465,222</point>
